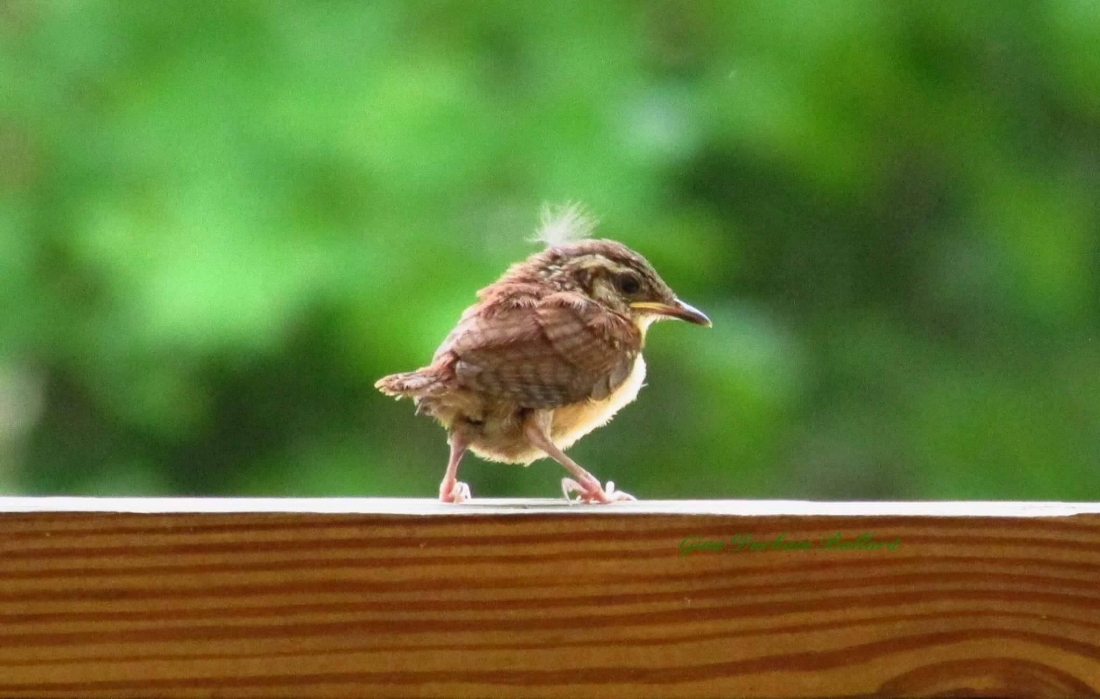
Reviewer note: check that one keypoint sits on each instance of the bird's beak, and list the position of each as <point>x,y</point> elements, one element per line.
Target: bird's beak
<point>677,309</point>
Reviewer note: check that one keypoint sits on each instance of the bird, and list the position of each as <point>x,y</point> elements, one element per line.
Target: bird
<point>549,352</point>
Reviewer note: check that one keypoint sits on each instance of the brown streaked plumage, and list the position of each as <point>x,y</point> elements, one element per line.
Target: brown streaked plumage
<point>550,351</point>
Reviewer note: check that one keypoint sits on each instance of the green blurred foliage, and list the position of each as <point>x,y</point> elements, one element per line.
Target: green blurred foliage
<point>221,221</point>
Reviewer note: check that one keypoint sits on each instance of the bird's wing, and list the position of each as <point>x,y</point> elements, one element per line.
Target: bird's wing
<point>558,350</point>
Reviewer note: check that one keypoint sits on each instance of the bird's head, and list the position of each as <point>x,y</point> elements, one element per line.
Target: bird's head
<point>615,276</point>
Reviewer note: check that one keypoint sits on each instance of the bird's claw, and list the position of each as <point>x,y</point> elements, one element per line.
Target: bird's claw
<point>455,492</point>
<point>594,493</point>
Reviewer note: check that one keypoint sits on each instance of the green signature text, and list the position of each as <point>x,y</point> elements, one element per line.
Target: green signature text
<point>865,541</point>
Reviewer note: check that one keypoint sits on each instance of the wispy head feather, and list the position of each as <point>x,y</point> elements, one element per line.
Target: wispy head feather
<point>564,223</point>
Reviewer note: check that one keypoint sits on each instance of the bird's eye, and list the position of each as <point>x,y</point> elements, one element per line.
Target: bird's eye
<point>629,284</point>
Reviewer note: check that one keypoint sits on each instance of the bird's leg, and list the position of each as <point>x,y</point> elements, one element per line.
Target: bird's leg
<point>451,489</point>
<point>537,431</point>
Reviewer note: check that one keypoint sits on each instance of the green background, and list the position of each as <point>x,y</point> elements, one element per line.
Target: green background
<point>221,222</point>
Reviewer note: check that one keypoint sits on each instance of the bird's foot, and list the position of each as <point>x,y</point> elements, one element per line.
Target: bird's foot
<point>454,491</point>
<point>593,492</point>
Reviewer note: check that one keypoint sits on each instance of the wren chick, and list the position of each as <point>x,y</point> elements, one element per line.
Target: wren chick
<point>551,351</point>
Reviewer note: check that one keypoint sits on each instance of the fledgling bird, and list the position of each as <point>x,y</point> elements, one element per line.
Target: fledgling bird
<point>551,351</point>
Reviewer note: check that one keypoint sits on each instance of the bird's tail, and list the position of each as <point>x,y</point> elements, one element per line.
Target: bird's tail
<point>411,384</point>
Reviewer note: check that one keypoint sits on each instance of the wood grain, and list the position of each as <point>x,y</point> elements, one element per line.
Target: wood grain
<point>364,598</point>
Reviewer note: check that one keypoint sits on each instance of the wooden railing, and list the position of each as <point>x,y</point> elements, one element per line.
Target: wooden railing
<point>409,598</point>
